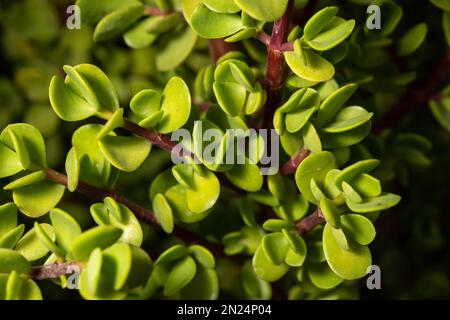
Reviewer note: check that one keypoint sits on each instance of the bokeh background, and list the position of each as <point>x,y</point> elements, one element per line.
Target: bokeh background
<point>412,245</point>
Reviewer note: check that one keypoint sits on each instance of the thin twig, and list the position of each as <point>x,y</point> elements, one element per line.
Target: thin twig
<point>310,222</point>
<point>55,270</point>
<point>291,166</point>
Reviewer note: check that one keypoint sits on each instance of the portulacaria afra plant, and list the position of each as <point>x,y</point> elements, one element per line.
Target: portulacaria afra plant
<point>310,74</point>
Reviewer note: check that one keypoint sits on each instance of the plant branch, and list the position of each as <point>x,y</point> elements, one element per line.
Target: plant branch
<point>55,270</point>
<point>291,166</point>
<point>152,11</point>
<point>141,213</point>
<point>416,96</point>
<point>310,222</point>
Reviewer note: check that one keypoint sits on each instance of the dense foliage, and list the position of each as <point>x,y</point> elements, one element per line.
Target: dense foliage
<point>91,196</point>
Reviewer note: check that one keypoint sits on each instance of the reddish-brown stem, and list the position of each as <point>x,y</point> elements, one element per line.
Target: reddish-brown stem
<point>291,166</point>
<point>218,47</point>
<point>416,96</point>
<point>152,11</point>
<point>55,270</point>
<point>310,222</point>
<point>142,213</point>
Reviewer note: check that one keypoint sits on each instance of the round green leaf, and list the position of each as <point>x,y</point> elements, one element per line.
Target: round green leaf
<point>31,246</point>
<point>351,193</point>
<point>265,269</point>
<point>163,213</point>
<point>203,256</point>
<point>295,121</point>
<point>12,260</point>
<point>176,104</point>
<point>72,166</point>
<point>174,253</point>
<point>268,10</point>
<point>246,177</point>
<point>116,22</point>
<point>10,162</point>
<point>26,180</point>
<point>29,139</point>
<point>137,37</point>
<point>316,166</point>
<point>356,169</point>
<point>141,267</point>
<point>176,196</point>
<point>204,192</point>
<point>163,182</point>
<point>347,119</point>
<point>174,48</point>
<point>319,21</point>
<point>331,213</point>
<point>9,239</point>
<point>211,25</point>
<point>230,96</point>
<point>366,185</point>
<point>348,264</point>
<point>8,217</point>
<point>382,202</point>
<point>48,240</point>
<point>412,40</point>
<point>39,198</point>
<point>204,286</point>
<point>222,6</point>
<point>180,275</point>
<point>98,237</point>
<point>323,277</point>
<point>275,246</point>
<point>117,265</point>
<point>66,228</point>
<point>125,153</point>
<point>359,228</point>
<point>30,291</point>
<point>309,65</point>
<point>336,32</point>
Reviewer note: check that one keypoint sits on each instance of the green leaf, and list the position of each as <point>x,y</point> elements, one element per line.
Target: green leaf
<point>268,10</point>
<point>309,65</point>
<point>204,286</point>
<point>163,213</point>
<point>323,277</point>
<point>340,238</point>
<point>442,4</point>
<point>319,21</point>
<point>80,86</point>
<point>115,121</point>
<point>230,96</point>
<point>352,171</point>
<point>316,166</point>
<point>99,237</point>
<point>117,265</point>
<point>176,196</point>
<point>175,47</point>
<point>146,103</point>
<point>412,40</point>
<point>203,256</point>
<point>335,33</point>
<point>48,240</point>
<point>174,253</point>
<point>101,85</point>
<point>265,269</point>
<point>366,185</point>
<point>137,37</point>
<point>13,286</point>
<point>30,291</point>
<point>441,112</point>
<point>125,153</point>
<point>382,202</point>
<point>246,177</point>
<point>31,246</point>
<point>180,275</point>
<point>94,10</point>
<point>10,162</point>
<point>116,22</point>
<point>253,286</point>
<point>275,246</point>
<point>72,166</point>
<point>347,138</point>
<point>347,119</point>
<point>227,6</point>
<point>9,239</point>
<point>212,25</point>
<point>348,264</point>
<point>176,104</point>
<point>29,140</point>
<point>359,228</point>
<point>204,192</point>
<point>351,193</point>
<point>39,198</point>
<point>26,180</point>
<point>141,267</point>
<point>446,26</point>
<point>276,225</point>
<point>295,121</point>
<point>333,103</point>
<point>66,228</point>
<point>163,182</point>
<point>12,260</point>
<point>8,217</point>
<point>331,213</point>
<point>311,139</point>
<point>68,105</point>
